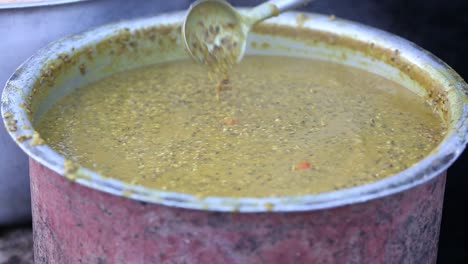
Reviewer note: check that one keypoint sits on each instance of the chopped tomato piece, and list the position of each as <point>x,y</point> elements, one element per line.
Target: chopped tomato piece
<point>303,165</point>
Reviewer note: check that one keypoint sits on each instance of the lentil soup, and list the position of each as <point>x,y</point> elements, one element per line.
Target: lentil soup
<point>282,126</point>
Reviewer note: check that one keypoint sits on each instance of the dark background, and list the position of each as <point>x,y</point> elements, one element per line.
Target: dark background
<point>441,27</point>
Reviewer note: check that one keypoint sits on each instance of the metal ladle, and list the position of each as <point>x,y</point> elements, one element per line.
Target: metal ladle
<point>216,34</point>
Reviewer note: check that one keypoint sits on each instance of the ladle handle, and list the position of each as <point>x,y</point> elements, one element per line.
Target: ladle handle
<point>273,8</point>
<point>285,5</point>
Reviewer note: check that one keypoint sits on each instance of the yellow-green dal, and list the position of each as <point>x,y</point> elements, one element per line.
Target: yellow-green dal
<point>282,126</point>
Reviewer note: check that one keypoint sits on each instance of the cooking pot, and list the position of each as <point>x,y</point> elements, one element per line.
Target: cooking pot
<point>25,27</point>
<point>82,216</point>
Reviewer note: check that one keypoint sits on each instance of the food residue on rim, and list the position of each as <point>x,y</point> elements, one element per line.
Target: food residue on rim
<point>36,139</point>
<point>8,115</point>
<point>269,206</point>
<point>22,138</point>
<point>11,124</point>
<point>69,169</point>
<point>301,18</point>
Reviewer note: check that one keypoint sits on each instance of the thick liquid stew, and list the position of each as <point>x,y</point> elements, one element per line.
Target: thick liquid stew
<point>283,126</point>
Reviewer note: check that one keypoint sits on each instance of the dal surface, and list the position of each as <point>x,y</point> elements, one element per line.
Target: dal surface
<point>282,126</point>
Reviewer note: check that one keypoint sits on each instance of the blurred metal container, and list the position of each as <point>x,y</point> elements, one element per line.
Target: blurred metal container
<point>27,26</point>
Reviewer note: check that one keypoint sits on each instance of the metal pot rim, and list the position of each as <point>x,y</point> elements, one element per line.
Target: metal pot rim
<point>20,84</point>
<point>39,3</point>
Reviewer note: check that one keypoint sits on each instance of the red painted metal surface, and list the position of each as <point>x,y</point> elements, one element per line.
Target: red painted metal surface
<point>76,224</point>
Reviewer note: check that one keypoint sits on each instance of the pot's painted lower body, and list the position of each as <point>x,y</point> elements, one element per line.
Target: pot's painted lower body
<point>76,224</point>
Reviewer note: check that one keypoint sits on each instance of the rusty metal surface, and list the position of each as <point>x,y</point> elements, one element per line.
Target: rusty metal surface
<point>75,224</point>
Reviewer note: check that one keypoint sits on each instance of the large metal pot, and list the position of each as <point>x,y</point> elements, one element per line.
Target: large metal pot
<point>79,215</point>
<point>27,26</point>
